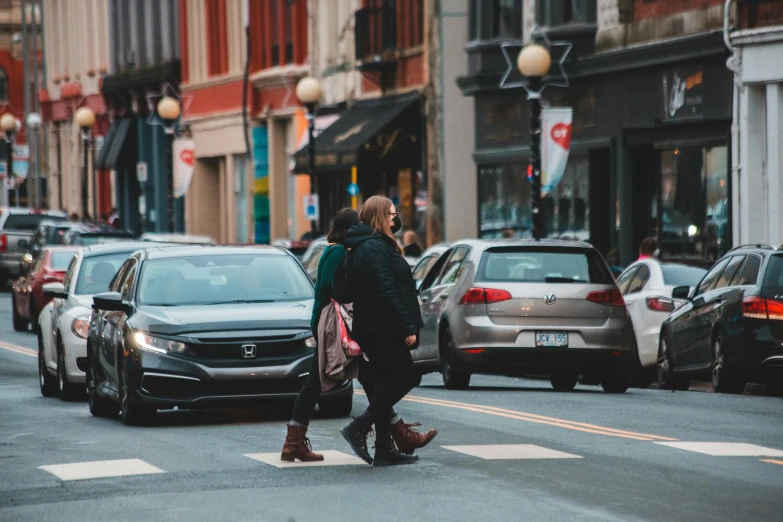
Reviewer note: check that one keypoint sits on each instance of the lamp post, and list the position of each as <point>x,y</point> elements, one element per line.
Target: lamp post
<point>85,119</point>
<point>534,62</point>
<point>34,124</point>
<point>308,90</point>
<point>169,110</point>
<point>10,127</point>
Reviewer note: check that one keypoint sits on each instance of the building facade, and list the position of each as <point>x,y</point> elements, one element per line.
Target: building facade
<point>650,135</point>
<point>757,170</point>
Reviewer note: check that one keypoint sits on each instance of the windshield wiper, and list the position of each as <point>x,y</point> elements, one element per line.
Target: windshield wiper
<point>549,279</point>
<point>238,301</point>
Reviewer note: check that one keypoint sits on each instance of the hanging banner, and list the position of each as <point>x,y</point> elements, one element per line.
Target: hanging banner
<point>184,157</point>
<point>555,144</point>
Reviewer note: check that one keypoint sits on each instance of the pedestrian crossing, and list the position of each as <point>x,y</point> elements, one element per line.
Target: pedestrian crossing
<point>101,469</point>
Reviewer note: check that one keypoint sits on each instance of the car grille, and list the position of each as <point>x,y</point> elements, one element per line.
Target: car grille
<point>274,352</point>
<point>168,388</point>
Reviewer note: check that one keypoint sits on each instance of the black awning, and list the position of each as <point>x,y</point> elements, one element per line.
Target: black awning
<point>113,143</point>
<point>337,147</point>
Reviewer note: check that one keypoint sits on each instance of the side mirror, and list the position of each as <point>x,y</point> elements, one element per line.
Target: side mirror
<point>23,244</point>
<point>110,302</point>
<point>681,292</point>
<point>55,290</point>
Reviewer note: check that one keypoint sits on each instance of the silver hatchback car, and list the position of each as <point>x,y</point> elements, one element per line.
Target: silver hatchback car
<point>517,308</point>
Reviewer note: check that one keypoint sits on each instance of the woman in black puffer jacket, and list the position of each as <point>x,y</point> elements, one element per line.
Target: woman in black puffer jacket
<point>386,323</point>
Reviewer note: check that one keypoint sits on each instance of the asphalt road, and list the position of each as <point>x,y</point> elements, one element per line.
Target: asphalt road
<point>589,456</point>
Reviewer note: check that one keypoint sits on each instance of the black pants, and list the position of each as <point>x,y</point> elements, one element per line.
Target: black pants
<point>393,375</point>
<point>311,392</point>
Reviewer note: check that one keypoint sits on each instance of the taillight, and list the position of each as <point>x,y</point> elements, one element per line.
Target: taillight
<point>760,308</point>
<point>606,298</point>
<point>4,243</point>
<point>660,304</point>
<point>479,296</point>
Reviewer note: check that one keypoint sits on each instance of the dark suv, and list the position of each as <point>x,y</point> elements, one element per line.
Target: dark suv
<point>730,327</point>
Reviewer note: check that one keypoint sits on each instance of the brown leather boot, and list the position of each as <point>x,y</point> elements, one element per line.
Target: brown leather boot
<point>407,439</point>
<point>297,446</point>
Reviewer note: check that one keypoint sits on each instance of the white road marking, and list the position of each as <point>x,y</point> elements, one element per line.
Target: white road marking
<point>101,469</point>
<point>725,449</point>
<point>19,349</point>
<point>511,451</point>
<point>331,458</point>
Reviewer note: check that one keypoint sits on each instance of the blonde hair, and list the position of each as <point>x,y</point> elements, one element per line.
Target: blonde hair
<point>375,213</point>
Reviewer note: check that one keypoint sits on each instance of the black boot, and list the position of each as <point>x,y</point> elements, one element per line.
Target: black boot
<point>386,453</point>
<point>356,435</point>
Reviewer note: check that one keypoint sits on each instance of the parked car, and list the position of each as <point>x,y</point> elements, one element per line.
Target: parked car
<point>730,327</point>
<point>312,256</point>
<point>297,248</point>
<point>200,327</point>
<point>96,234</point>
<point>63,324</point>
<point>524,307</point>
<point>428,258</point>
<point>27,296</point>
<point>17,226</point>
<point>647,287</point>
<point>186,239</point>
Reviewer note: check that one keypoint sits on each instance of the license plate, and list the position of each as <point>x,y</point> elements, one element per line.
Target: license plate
<point>546,339</point>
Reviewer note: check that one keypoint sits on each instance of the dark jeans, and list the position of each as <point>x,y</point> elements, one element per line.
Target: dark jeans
<point>311,392</point>
<point>393,376</point>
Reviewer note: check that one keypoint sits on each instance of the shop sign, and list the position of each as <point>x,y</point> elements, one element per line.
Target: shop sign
<point>311,207</point>
<point>683,94</point>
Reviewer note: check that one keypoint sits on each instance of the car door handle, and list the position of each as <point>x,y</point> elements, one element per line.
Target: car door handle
<point>423,300</point>
<point>442,297</point>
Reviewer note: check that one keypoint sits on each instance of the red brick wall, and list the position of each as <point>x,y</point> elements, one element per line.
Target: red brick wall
<point>14,71</point>
<point>761,15</point>
<point>644,9</point>
<point>223,97</point>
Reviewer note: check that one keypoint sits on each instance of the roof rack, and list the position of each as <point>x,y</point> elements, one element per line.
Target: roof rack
<point>765,247</point>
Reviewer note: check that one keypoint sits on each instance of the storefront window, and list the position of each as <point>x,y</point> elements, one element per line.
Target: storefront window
<point>504,200</point>
<point>567,208</point>
<point>694,193</point>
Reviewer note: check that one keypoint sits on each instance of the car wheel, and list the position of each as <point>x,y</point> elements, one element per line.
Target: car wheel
<point>336,407</point>
<point>66,390</point>
<point>47,382</point>
<point>133,413</point>
<point>723,379</point>
<point>99,406</point>
<point>563,382</point>
<point>667,379</point>
<point>616,382</point>
<point>452,379</point>
<point>20,324</point>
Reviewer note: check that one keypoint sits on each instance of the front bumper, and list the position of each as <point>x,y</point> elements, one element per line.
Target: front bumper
<point>168,381</point>
<point>75,356</point>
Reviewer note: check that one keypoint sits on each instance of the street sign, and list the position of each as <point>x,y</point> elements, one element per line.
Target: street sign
<point>353,189</point>
<point>311,207</point>
<point>141,172</point>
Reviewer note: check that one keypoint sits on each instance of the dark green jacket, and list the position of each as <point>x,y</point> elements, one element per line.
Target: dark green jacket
<point>330,258</point>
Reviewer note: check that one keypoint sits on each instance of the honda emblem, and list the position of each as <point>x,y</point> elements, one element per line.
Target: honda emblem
<point>248,351</point>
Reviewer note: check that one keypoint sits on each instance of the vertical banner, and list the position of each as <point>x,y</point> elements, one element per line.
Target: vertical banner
<point>184,156</point>
<point>555,144</point>
<point>261,185</point>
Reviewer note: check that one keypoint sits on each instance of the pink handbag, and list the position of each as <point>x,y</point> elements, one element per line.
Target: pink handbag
<point>350,347</point>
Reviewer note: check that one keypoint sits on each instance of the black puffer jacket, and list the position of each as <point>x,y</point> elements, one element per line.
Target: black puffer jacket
<point>386,303</point>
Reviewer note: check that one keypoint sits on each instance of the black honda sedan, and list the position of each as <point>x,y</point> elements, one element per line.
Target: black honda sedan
<point>730,327</point>
<point>201,327</point>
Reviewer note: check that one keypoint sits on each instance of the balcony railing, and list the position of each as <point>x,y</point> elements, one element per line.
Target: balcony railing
<point>376,36</point>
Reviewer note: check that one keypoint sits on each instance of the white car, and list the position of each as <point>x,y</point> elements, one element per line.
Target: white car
<point>64,322</point>
<point>647,288</point>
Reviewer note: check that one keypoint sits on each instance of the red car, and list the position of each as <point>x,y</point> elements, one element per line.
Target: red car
<point>27,293</point>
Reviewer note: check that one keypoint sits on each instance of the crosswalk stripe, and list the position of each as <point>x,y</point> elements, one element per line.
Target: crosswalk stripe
<point>511,452</point>
<point>331,458</point>
<point>101,469</point>
<point>725,449</point>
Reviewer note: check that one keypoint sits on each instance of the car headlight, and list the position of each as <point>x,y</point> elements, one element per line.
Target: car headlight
<point>310,342</point>
<point>81,326</point>
<point>151,343</point>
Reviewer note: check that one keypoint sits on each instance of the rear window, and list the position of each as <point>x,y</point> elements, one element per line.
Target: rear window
<point>543,265</point>
<point>27,221</point>
<point>61,260</point>
<point>773,279</point>
<point>682,275</point>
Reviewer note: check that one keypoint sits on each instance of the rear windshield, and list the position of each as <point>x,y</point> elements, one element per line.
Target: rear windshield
<point>27,221</point>
<point>773,279</point>
<point>681,275</point>
<point>61,260</point>
<point>543,265</point>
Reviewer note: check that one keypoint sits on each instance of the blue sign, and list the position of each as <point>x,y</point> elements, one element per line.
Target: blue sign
<point>353,189</point>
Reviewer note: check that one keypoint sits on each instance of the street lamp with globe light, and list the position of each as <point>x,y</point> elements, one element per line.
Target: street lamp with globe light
<point>85,119</point>
<point>308,91</point>
<point>34,124</point>
<point>534,62</point>
<point>10,126</point>
<point>169,110</point>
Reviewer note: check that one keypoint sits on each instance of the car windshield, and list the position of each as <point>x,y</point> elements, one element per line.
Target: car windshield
<point>97,272</point>
<point>681,275</point>
<point>220,279</point>
<point>773,279</point>
<point>27,221</point>
<point>61,260</point>
<point>543,265</point>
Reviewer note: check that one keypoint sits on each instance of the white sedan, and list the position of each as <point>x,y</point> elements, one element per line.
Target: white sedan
<point>647,288</point>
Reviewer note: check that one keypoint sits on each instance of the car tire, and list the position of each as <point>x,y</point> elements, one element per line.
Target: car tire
<point>66,390</point>
<point>47,383</point>
<point>563,382</point>
<point>452,379</point>
<point>336,407</point>
<point>133,413</point>
<point>99,406</point>
<point>723,379</point>
<point>20,324</point>
<point>616,382</point>
<point>667,379</point>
